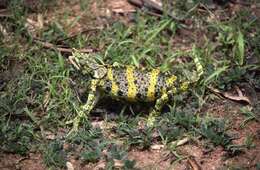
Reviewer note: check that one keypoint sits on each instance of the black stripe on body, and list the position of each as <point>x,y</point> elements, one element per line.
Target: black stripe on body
<point>119,75</point>
<point>142,84</point>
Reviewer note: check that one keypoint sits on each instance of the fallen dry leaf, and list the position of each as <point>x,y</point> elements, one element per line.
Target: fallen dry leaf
<point>181,142</point>
<point>157,147</point>
<point>118,163</point>
<point>69,166</point>
<point>61,49</point>
<point>239,97</point>
<point>174,143</point>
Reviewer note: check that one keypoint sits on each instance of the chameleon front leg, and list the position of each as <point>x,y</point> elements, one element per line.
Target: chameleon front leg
<point>86,108</point>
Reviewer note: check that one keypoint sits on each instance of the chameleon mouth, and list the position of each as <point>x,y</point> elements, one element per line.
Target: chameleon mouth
<point>72,61</point>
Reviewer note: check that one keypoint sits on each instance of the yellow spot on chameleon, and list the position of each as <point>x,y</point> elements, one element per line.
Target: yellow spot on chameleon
<point>131,94</point>
<point>114,88</point>
<point>184,86</point>
<point>153,80</point>
<point>170,81</point>
<point>93,85</point>
<point>101,83</point>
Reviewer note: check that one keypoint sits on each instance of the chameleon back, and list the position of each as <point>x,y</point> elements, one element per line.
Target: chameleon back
<point>135,85</point>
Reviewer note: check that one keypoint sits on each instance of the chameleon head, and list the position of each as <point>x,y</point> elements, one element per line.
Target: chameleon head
<point>87,65</point>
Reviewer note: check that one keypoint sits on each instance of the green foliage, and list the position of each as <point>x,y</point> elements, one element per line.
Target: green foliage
<point>118,153</point>
<point>54,32</point>
<point>135,137</point>
<point>229,37</point>
<point>38,87</point>
<point>258,165</point>
<point>88,136</point>
<point>249,142</point>
<point>140,42</point>
<point>91,155</point>
<point>54,155</point>
<point>249,114</point>
<point>170,133</point>
<point>16,137</point>
<point>215,131</point>
<point>94,147</point>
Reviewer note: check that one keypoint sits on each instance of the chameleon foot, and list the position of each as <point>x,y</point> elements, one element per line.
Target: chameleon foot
<point>75,127</point>
<point>152,118</point>
<point>150,121</point>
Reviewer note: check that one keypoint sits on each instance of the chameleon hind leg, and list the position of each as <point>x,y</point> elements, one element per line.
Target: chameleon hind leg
<point>86,108</point>
<point>157,109</point>
<point>163,100</point>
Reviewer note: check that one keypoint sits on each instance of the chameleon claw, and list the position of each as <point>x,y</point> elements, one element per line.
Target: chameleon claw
<point>151,121</point>
<point>152,118</point>
<point>69,122</point>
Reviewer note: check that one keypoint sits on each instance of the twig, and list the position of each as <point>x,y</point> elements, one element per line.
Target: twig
<point>154,14</point>
<point>61,49</point>
<point>174,144</point>
<point>53,46</point>
<point>152,6</point>
<point>138,3</point>
<point>5,13</point>
<point>81,32</point>
<point>193,163</point>
<point>21,159</point>
<point>181,142</point>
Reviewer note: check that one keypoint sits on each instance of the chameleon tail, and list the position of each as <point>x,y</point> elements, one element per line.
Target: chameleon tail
<point>199,67</point>
<point>199,73</point>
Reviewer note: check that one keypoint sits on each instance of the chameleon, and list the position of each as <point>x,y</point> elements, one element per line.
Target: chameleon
<point>128,83</point>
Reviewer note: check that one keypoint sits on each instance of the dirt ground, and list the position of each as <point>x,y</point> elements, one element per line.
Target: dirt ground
<point>158,159</point>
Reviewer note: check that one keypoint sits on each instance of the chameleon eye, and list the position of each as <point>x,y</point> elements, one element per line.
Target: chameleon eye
<point>100,72</point>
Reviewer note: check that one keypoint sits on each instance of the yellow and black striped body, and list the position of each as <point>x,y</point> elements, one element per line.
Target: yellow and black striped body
<point>129,83</point>
<point>134,85</point>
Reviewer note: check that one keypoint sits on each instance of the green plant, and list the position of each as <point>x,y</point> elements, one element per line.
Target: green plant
<point>54,154</point>
<point>249,114</point>
<point>249,142</point>
<point>215,131</point>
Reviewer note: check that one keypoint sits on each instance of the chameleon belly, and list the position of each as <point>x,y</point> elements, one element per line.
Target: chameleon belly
<point>134,85</point>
